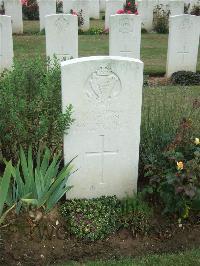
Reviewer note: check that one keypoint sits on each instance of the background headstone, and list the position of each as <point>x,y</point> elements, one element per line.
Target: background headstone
<point>145,10</point>
<point>183,43</point>
<point>61,36</point>
<point>13,8</point>
<point>107,99</point>
<point>46,7</point>
<point>77,6</point>
<point>176,7</point>
<point>102,5</point>
<point>112,6</point>
<point>94,9</point>
<point>125,35</point>
<point>6,43</point>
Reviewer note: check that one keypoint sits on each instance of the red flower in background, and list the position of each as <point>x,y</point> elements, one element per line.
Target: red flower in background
<point>120,11</point>
<point>24,2</point>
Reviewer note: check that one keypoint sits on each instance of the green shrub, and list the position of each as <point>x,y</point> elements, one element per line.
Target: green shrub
<point>31,10</point>
<point>92,219</point>
<point>176,178</point>
<point>195,9</point>
<point>93,31</point>
<point>163,109</point>
<point>2,9</point>
<point>59,6</point>
<point>5,182</point>
<point>30,107</point>
<point>40,182</point>
<point>143,30</point>
<point>161,19</point>
<point>185,78</point>
<point>136,214</point>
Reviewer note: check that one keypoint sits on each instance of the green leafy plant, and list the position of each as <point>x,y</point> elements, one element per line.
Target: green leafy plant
<point>93,31</point>
<point>2,9</point>
<point>176,179</point>
<point>91,219</point>
<point>59,6</point>
<point>31,110</point>
<point>185,78</point>
<point>30,9</point>
<point>195,10</point>
<point>136,214</point>
<point>39,183</point>
<point>161,19</point>
<point>79,15</point>
<point>4,190</point>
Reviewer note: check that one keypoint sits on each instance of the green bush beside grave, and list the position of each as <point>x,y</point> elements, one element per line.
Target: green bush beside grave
<point>30,107</point>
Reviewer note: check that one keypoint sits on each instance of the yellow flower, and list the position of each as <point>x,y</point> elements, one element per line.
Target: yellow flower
<point>179,165</point>
<point>197,141</point>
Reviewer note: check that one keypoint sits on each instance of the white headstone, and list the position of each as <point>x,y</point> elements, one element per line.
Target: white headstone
<point>112,6</point>
<point>94,9</point>
<point>77,6</point>
<point>102,5</point>
<point>61,36</point>
<point>125,35</point>
<point>183,43</point>
<point>107,99</point>
<point>6,43</point>
<point>176,7</point>
<point>13,8</point>
<point>46,7</point>
<point>145,10</point>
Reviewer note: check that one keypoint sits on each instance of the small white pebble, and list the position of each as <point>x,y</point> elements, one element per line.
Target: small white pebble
<point>42,256</point>
<point>57,222</point>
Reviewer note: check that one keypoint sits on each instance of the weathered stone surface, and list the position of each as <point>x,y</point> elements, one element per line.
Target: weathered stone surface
<point>106,93</point>
<point>183,43</point>
<point>61,36</point>
<point>13,8</point>
<point>125,35</point>
<point>6,43</point>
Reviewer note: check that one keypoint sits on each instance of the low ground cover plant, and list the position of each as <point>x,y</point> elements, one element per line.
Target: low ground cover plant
<point>136,214</point>
<point>92,219</point>
<point>185,78</point>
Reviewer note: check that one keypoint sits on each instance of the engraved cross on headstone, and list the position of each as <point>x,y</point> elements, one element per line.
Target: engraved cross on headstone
<point>184,53</point>
<point>102,155</point>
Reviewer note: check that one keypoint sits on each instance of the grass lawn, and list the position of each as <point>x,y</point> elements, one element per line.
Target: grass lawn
<point>153,47</point>
<point>189,258</point>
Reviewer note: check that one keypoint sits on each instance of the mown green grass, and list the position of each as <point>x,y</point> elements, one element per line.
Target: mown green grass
<point>188,258</point>
<point>153,46</point>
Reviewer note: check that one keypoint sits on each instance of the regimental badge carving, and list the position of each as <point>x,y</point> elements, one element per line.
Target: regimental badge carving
<point>61,23</point>
<point>125,25</point>
<point>104,85</point>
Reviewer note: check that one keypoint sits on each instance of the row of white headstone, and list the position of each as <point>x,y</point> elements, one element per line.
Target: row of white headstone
<point>91,9</point>
<point>124,39</point>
